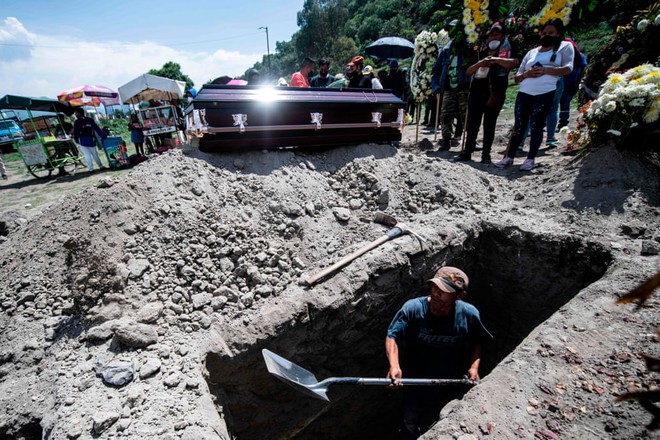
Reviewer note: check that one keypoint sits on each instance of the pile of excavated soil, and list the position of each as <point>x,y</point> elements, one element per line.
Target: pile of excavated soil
<point>114,301</point>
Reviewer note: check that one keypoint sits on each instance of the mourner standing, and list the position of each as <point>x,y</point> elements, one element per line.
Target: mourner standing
<point>450,78</point>
<point>395,80</point>
<point>300,78</point>
<point>490,79</point>
<point>443,337</point>
<point>537,76</point>
<point>323,78</point>
<point>354,74</point>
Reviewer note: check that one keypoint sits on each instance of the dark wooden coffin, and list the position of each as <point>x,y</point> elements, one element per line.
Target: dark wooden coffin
<point>223,117</point>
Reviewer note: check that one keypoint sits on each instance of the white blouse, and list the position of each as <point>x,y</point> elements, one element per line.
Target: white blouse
<point>544,83</point>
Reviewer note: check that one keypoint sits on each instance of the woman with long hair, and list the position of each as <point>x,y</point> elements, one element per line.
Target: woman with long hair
<point>537,76</point>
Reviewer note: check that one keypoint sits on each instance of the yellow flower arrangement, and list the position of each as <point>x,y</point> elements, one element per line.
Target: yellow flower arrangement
<point>475,14</point>
<point>554,9</point>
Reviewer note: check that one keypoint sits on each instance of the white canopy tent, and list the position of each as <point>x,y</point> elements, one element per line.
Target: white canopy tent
<point>146,87</point>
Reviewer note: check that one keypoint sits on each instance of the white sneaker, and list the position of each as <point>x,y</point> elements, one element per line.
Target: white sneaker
<point>527,165</point>
<point>505,162</point>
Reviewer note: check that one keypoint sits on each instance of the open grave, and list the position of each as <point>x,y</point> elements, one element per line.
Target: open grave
<point>518,280</point>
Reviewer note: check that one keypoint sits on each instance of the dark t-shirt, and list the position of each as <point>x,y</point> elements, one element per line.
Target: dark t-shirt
<point>437,347</point>
<point>498,77</point>
<point>318,81</point>
<point>360,81</point>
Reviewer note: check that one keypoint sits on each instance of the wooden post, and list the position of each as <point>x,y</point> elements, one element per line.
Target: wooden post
<point>437,116</point>
<point>419,109</point>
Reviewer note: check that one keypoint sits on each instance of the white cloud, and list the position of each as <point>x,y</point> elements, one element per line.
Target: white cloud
<point>46,66</point>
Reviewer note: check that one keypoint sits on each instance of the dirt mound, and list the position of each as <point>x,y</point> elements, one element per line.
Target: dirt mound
<point>137,308</point>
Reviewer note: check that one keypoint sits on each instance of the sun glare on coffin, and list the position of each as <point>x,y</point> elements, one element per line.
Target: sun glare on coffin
<point>267,94</point>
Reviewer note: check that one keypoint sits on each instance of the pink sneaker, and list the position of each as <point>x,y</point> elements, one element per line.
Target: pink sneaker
<point>527,165</point>
<point>504,162</point>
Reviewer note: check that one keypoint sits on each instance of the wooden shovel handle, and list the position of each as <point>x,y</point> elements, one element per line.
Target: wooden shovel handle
<point>392,233</point>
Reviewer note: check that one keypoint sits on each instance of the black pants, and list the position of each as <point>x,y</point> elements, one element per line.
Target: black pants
<point>532,110</point>
<point>477,110</point>
<point>421,408</point>
<point>565,102</point>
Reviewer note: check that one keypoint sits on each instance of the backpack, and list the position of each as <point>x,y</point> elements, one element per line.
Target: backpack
<point>579,64</point>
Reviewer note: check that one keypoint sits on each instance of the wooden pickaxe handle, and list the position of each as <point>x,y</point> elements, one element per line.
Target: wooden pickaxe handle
<point>392,233</point>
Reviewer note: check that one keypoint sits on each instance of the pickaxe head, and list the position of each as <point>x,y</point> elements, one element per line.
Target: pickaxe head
<point>385,219</point>
<point>388,220</point>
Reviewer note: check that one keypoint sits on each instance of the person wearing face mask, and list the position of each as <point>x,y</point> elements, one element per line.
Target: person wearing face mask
<point>490,79</point>
<point>323,78</point>
<point>537,76</point>
<point>300,78</point>
<point>355,76</point>
<point>190,94</point>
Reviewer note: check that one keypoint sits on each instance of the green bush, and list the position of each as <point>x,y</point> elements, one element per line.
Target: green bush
<point>118,127</point>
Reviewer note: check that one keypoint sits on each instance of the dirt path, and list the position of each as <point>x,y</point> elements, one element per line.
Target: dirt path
<point>27,195</point>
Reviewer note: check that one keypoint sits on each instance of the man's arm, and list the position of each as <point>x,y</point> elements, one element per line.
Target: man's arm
<point>475,360</point>
<point>392,350</point>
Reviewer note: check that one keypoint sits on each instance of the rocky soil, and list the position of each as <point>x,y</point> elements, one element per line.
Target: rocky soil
<point>112,300</point>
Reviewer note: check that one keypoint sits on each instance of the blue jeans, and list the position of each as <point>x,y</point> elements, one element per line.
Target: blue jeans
<point>553,114</point>
<point>530,110</point>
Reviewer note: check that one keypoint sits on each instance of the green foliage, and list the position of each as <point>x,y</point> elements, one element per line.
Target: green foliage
<point>172,70</point>
<point>341,29</point>
<point>118,127</point>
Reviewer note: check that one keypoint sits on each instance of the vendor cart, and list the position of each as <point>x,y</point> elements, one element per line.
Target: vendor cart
<point>159,118</point>
<point>43,156</point>
<point>47,148</point>
<point>159,123</point>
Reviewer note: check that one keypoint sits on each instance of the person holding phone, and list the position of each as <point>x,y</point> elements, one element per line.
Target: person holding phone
<point>537,76</point>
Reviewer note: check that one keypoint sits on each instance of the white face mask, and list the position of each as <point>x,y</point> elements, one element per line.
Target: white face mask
<point>190,98</point>
<point>494,44</point>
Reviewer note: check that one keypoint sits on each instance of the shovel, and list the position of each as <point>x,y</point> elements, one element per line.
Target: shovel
<point>397,230</point>
<point>305,381</point>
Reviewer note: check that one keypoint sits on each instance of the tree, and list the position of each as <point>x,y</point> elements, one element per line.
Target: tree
<point>172,70</point>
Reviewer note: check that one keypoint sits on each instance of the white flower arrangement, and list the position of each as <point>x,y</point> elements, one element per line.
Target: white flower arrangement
<point>554,9</point>
<point>625,101</point>
<point>427,45</point>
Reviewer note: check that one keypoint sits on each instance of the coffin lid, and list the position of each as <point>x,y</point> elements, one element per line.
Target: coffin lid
<point>146,87</point>
<point>212,93</point>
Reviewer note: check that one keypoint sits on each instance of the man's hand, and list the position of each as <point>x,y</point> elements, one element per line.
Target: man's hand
<point>473,374</point>
<point>395,374</point>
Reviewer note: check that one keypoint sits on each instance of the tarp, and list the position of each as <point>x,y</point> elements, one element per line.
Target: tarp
<point>146,87</point>
<point>13,102</point>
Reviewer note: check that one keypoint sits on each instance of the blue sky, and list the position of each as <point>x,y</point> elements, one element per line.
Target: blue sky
<point>48,46</point>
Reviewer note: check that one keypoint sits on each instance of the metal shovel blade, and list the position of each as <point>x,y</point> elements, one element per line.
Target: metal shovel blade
<point>299,378</point>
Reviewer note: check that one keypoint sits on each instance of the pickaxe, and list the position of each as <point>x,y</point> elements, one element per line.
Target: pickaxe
<point>397,230</point>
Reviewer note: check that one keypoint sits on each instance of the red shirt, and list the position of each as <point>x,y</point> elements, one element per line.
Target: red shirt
<point>299,80</point>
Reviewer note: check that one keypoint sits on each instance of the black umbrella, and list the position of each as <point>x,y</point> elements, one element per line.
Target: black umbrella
<point>391,48</point>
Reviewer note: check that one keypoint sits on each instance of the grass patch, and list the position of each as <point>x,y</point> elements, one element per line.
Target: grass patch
<point>510,100</point>
<point>11,157</point>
